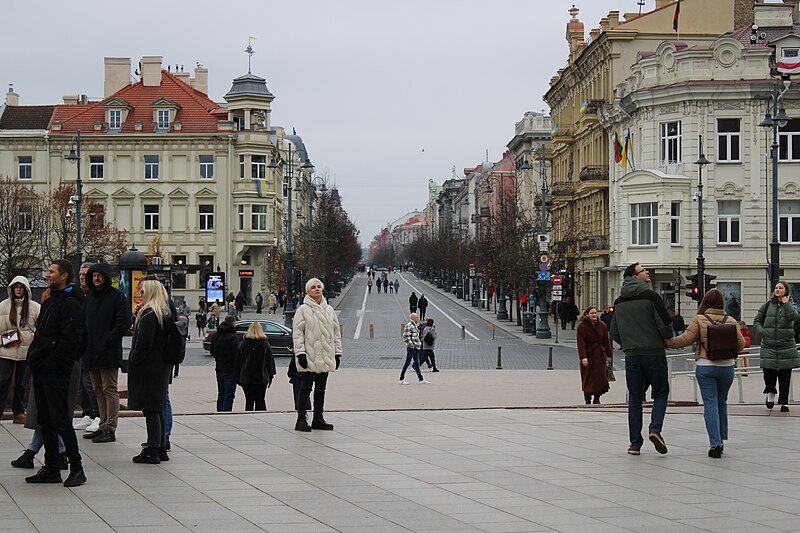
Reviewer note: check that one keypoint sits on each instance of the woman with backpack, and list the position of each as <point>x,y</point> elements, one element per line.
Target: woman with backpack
<point>715,374</point>
<point>428,336</point>
<point>254,368</point>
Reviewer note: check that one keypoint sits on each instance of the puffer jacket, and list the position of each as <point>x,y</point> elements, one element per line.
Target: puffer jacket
<point>18,352</point>
<point>108,318</point>
<point>774,324</point>
<point>223,347</point>
<point>698,329</point>
<point>316,333</point>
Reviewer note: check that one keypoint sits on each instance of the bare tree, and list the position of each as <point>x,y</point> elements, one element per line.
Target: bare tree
<point>23,226</point>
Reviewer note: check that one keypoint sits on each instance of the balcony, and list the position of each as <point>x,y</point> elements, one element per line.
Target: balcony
<point>562,190</point>
<point>594,173</point>
<point>595,242</point>
<point>564,135</point>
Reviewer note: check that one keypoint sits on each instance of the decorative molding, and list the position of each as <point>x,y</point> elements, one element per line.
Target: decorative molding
<point>123,193</point>
<point>729,189</point>
<point>205,192</point>
<point>724,106</point>
<point>669,109</point>
<point>151,193</point>
<point>178,194</point>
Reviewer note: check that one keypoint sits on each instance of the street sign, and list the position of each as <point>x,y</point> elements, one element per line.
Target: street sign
<point>472,268</point>
<point>544,238</point>
<point>543,276</point>
<point>543,258</point>
<point>557,280</point>
<point>544,267</point>
<point>557,289</point>
<point>557,297</point>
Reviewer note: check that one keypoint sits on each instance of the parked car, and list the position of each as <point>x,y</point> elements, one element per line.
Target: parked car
<point>278,335</point>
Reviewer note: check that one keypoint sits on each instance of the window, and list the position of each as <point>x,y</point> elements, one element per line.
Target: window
<point>179,274</point>
<point>25,218</point>
<point>96,167</point>
<point>162,116</point>
<point>258,167</point>
<point>789,221</point>
<point>789,141</point>
<point>286,186</point>
<point>25,167</point>
<point>206,217</point>
<point>728,222</point>
<point>675,223</point>
<point>240,212</point>
<point>206,167</point>
<point>258,218</point>
<point>97,216</point>
<point>151,217</point>
<point>728,135</point>
<point>670,142</point>
<point>644,224</point>
<point>151,167</point>
<point>115,119</point>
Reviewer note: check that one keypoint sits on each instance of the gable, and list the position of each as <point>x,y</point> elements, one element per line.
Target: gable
<point>123,194</point>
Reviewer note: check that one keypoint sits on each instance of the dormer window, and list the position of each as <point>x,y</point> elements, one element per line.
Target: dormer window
<point>115,119</point>
<point>165,112</point>
<point>163,119</point>
<point>117,111</point>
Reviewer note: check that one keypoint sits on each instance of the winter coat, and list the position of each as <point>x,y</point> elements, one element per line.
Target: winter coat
<point>568,311</point>
<point>412,302</point>
<point>148,373</point>
<point>678,324</point>
<point>424,331</point>
<point>60,331</point>
<point>411,335</point>
<point>698,330</point>
<point>240,302</point>
<point>272,300</point>
<point>640,322</point>
<point>223,347</point>
<point>201,320</point>
<point>216,310</point>
<point>32,413</point>
<point>316,333</point>
<point>422,303</point>
<point>108,318</point>
<point>19,351</point>
<point>185,311</point>
<point>594,345</point>
<point>774,324</point>
<point>255,364</point>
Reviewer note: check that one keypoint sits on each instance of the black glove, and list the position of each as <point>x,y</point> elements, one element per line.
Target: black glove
<point>338,360</point>
<point>302,361</point>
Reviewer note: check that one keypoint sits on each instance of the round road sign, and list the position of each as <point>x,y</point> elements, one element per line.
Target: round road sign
<point>556,280</point>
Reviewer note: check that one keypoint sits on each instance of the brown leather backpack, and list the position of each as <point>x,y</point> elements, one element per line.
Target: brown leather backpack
<point>722,340</point>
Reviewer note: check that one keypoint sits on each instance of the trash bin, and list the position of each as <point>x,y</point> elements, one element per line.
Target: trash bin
<point>459,292</point>
<point>528,322</point>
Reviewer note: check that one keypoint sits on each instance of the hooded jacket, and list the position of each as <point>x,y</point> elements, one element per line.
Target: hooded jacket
<point>316,333</point>
<point>108,318</point>
<point>641,322</point>
<point>223,347</point>
<point>774,324</point>
<point>19,351</point>
<point>255,364</point>
<point>60,331</point>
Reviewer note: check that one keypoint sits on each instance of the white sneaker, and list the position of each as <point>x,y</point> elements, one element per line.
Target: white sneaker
<point>424,382</point>
<point>403,382</point>
<point>94,426</point>
<point>83,423</point>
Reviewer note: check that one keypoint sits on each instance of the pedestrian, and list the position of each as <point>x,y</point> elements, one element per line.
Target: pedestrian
<point>108,318</point>
<point>259,303</point>
<point>713,377</point>
<point>640,325</point>
<point>396,286</point>
<point>318,351</point>
<point>428,336</point>
<point>232,310</point>
<point>254,368</point>
<point>369,285</point>
<point>391,286</point>
<point>523,301</point>
<point>230,297</point>
<point>60,332</point>
<point>90,416</point>
<point>413,302</point>
<point>678,324</point>
<point>300,403</point>
<point>202,305</point>
<point>223,349</point>
<point>200,320</point>
<point>774,323</point>
<point>568,312</point>
<point>423,306</point>
<point>379,283</point>
<point>413,347</point>
<point>148,372</point>
<point>608,314</point>
<point>239,304</point>
<point>272,301</point>
<point>216,312</point>
<point>596,355</point>
<point>184,312</point>
<point>744,361</point>
<point>18,315</point>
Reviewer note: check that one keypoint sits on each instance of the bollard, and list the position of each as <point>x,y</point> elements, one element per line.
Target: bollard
<point>463,331</point>
<point>550,358</point>
<point>371,330</point>
<point>402,330</point>
<point>499,358</point>
<point>341,329</point>
<point>491,328</point>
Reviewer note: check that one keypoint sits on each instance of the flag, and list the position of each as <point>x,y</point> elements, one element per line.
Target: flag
<point>261,187</point>
<point>584,105</point>
<point>625,147</point>
<point>677,15</point>
<point>617,147</point>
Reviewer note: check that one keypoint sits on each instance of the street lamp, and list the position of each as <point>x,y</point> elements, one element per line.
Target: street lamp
<point>777,119</point>
<point>75,157</point>
<point>701,262</point>
<point>288,311</point>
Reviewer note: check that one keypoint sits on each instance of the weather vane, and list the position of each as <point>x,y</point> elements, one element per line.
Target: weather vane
<point>249,51</point>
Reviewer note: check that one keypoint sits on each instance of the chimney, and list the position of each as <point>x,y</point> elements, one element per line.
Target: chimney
<point>773,15</point>
<point>117,74</point>
<point>200,81</point>
<point>151,71</point>
<point>183,76</point>
<point>613,19</point>
<point>12,98</point>
<point>71,99</point>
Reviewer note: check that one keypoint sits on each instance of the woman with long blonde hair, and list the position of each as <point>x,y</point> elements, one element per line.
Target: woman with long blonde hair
<point>254,367</point>
<point>148,372</point>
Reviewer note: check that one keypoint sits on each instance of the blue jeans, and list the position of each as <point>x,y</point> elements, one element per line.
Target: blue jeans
<point>412,354</point>
<point>226,390</point>
<point>38,441</point>
<point>715,382</point>
<point>641,372</point>
<point>168,418</point>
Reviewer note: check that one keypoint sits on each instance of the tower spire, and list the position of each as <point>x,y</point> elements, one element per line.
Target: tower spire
<point>249,51</point>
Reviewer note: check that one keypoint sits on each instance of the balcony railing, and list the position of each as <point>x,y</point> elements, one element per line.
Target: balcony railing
<point>594,173</point>
<point>595,242</point>
<point>562,189</point>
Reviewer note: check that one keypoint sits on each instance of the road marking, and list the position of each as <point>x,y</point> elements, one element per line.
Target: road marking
<point>361,314</point>
<point>468,332</point>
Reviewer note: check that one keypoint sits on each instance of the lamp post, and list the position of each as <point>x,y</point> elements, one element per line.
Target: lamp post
<point>476,295</point>
<point>75,157</point>
<point>502,311</point>
<point>778,118</point>
<point>701,262</point>
<point>288,311</point>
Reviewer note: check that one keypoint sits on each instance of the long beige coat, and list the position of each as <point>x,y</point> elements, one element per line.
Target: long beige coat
<point>316,333</point>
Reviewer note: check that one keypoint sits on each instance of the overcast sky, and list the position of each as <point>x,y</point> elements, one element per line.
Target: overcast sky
<point>385,94</point>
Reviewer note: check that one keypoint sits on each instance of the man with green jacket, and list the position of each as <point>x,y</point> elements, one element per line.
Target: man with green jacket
<point>640,325</point>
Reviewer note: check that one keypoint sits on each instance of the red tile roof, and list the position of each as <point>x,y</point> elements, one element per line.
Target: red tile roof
<point>29,117</point>
<point>197,113</point>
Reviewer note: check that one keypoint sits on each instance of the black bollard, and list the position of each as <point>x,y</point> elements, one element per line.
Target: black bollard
<point>550,358</point>
<point>463,332</point>
<point>499,358</point>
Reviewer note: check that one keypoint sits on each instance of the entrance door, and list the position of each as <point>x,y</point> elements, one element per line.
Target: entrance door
<point>246,286</point>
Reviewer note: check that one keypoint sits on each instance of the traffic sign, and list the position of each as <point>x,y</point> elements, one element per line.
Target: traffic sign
<point>557,280</point>
<point>544,238</point>
<point>557,289</point>
<point>543,276</point>
<point>544,267</point>
<point>556,297</point>
<point>543,258</point>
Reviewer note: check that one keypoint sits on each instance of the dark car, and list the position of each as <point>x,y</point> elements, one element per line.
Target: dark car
<point>278,335</point>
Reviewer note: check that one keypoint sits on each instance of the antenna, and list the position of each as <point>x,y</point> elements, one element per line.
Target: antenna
<point>641,5</point>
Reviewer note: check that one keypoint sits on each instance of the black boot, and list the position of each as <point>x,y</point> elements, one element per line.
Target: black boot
<point>63,463</point>
<point>45,476</point>
<point>302,423</point>
<point>162,454</point>
<point>76,476</point>
<point>318,422</point>
<point>25,460</point>
<point>148,456</point>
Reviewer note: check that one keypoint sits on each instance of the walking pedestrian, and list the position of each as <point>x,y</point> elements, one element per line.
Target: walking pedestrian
<point>428,336</point>
<point>90,417</point>
<point>678,324</point>
<point>239,304</point>
<point>200,320</point>
<point>396,286</point>
<point>216,312</point>
<point>595,353</point>
<point>259,303</point>
<point>413,347</point>
<point>412,302</point>
<point>223,350</point>
<point>423,306</point>
<point>369,285</point>
<point>318,351</point>
<point>272,301</point>
<point>391,286</point>
<point>60,332</point>
<point>640,324</point>
<point>774,323</point>
<point>254,368</point>
<point>379,284</point>
<point>232,310</point>
<point>18,315</point>
<point>713,377</point>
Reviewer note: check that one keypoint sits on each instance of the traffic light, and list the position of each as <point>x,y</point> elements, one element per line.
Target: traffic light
<point>709,279</point>
<point>694,288</point>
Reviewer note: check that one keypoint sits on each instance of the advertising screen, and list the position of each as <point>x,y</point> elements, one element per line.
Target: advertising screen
<point>215,287</point>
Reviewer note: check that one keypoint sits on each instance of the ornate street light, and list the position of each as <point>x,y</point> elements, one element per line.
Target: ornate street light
<point>75,157</point>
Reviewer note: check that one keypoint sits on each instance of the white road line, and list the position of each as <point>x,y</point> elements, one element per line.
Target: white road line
<point>468,332</point>
<point>361,315</point>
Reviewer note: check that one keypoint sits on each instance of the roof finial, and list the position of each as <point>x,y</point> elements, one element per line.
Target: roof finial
<point>249,51</point>
<point>573,12</point>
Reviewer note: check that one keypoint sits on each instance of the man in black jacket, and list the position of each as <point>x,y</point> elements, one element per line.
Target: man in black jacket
<point>224,343</point>
<point>108,317</point>
<point>56,346</point>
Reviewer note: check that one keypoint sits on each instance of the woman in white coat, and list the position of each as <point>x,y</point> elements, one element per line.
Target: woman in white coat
<point>17,314</point>
<point>317,351</point>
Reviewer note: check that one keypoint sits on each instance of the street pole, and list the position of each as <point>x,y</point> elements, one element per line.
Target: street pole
<point>75,157</point>
<point>476,296</point>
<point>288,311</point>
<point>543,329</point>
<point>701,262</point>
<point>502,312</point>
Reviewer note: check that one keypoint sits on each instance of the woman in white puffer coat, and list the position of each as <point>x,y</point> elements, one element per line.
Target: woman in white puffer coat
<point>317,351</point>
<point>18,312</point>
